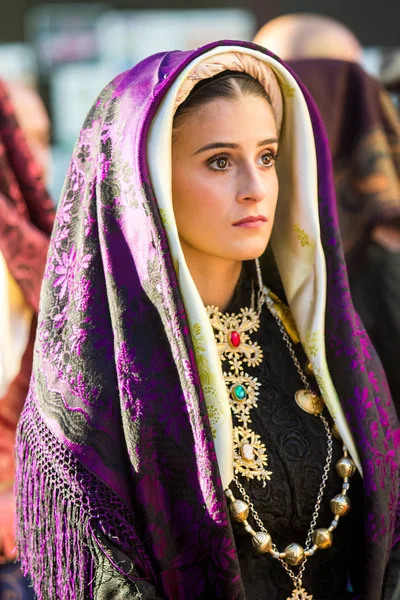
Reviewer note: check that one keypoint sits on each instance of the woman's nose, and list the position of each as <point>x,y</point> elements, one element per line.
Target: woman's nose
<point>253,186</point>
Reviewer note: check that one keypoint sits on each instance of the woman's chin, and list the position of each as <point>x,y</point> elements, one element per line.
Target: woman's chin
<point>249,252</point>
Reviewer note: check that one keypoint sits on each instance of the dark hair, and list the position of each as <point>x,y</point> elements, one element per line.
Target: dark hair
<point>227,84</point>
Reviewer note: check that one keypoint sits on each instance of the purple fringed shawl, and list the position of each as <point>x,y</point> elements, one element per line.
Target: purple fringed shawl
<point>115,453</point>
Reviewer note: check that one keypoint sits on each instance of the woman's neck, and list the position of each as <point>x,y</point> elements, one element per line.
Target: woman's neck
<point>215,278</point>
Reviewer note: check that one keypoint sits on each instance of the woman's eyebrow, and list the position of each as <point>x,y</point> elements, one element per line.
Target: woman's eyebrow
<point>214,145</point>
<point>268,141</point>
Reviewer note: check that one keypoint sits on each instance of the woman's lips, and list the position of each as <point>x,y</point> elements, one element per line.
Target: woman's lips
<point>251,222</point>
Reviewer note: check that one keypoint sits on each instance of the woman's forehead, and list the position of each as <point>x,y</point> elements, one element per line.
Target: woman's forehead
<point>233,119</point>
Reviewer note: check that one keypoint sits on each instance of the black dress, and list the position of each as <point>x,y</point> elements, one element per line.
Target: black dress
<point>297,447</point>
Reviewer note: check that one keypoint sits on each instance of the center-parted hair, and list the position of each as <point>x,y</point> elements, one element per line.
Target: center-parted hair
<point>228,84</point>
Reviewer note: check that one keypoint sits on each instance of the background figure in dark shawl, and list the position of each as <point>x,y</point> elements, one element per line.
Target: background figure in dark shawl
<point>363,130</point>
<point>364,136</point>
<point>120,484</point>
<point>26,219</point>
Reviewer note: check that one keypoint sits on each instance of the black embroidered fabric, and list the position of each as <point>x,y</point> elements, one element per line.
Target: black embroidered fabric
<point>297,446</point>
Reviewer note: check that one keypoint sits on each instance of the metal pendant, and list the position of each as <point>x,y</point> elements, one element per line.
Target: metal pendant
<point>235,347</point>
<point>309,401</point>
<point>250,458</point>
<point>300,594</point>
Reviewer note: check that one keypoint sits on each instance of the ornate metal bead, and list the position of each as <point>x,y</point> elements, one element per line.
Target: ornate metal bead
<point>340,505</point>
<point>345,467</point>
<point>322,538</point>
<point>239,510</point>
<point>262,542</point>
<point>294,554</point>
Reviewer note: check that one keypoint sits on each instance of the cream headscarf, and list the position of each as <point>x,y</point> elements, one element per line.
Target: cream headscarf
<point>295,239</point>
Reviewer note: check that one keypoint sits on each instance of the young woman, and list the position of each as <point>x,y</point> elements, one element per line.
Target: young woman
<point>177,438</point>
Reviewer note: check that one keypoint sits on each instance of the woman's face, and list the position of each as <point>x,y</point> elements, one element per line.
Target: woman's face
<point>224,182</point>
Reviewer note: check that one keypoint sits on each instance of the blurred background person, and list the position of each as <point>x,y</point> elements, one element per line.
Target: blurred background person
<point>390,74</point>
<point>363,128</point>
<point>304,35</point>
<point>26,219</point>
<point>33,119</point>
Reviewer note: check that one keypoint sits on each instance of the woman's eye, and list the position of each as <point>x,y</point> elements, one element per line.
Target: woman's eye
<point>268,159</point>
<point>218,163</point>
